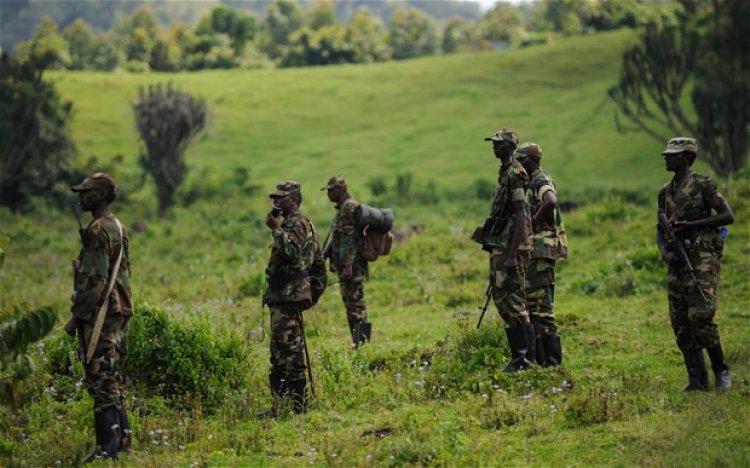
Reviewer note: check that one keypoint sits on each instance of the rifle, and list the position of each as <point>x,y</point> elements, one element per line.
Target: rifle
<point>327,246</point>
<point>675,244</point>
<point>307,354</point>
<point>81,230</point>
<point>487,297</point>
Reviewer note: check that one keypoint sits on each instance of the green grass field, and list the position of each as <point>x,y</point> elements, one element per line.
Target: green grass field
<point>428,389</point>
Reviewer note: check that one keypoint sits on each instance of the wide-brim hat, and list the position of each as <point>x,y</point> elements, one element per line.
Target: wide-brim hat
<point>680,144</point>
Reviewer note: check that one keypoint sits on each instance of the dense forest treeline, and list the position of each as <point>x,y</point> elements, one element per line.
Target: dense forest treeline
<point>174,36</point>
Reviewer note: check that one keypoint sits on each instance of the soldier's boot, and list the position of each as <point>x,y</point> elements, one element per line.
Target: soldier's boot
<point>697,372</point>
<point>720,368</point>
<point>362,333</point>
<point>298,393</point>
<point>531,344</point>
<point>126,443</point>
<point>553,350</point>
<point>277,386</point>
<point>107,427</point>
<point>518,347</point>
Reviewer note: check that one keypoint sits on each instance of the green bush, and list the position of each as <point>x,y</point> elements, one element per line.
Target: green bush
<point>185,362</point>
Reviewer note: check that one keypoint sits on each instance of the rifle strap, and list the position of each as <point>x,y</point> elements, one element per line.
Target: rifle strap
<point>104,300</point>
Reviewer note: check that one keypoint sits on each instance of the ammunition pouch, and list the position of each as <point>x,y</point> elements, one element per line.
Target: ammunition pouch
<point>278,280</point>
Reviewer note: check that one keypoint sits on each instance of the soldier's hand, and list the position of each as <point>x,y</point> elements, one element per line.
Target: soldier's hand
<point>272,222</point>
<point>346,272</point>
<point>680,225</point>
<point>72,326</point>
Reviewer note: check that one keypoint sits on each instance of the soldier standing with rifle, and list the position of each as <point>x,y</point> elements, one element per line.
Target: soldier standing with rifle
<point>101,308</point>
<point>690,239</point>
<point>506,235</point>
<point>346,261</point>
<point>548,243</point>
<point>288,293</point>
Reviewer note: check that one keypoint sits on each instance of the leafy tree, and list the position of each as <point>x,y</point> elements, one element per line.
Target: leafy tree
<point>708,51</point>
<point>46,49</point>
<point>503,23</point>
<point>105,54</point>
<point>366,34</point>
<point>321,14</point>
<point>167,120</point>
<point>412,33</point>
<point>35,142</point>
<point>238,27</point>
<point>282,19</point>
<point>80,41</point>
<point>327,46</point>
<point>461,35</point>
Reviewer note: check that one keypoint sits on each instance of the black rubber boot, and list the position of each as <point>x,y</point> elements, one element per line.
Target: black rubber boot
<point>518,346</point>
<point>107,427</point>
<point>297,391</point>
<point>126,443</point>
<point>362,333</point>
<point>553,351</point>
<point>276,385</point>
<point>697,372</point>
<point>720,368</point>
<point>531,345</point>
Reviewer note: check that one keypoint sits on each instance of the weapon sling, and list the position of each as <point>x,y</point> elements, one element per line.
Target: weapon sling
<point>101,314</point>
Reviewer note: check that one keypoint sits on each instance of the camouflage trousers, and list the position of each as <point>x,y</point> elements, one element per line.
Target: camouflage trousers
<point>540,295</point>
<point>103,377</point>
<point>353,295</point>
<point>287,343</point>
<point>691,316</point>
<point>508,291</point>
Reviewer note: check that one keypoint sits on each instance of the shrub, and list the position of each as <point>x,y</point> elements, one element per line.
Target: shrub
<point>185,362</point>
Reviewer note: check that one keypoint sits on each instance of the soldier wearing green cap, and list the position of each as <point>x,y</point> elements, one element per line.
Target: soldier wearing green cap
<point>345,259</point>
<point>548,244</point>
<point>506,235</point>
<point>696,211</point>
<point>288,293</point>
<point>101,308</point>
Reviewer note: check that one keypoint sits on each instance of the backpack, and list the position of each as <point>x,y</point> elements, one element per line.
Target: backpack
<point>376,225</point>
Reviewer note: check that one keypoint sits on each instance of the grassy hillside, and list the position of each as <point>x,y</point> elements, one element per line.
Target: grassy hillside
<point>428,388</point>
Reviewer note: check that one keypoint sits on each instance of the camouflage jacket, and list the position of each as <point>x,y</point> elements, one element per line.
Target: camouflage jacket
<point>292,254</point>
<point>513,186</point>
<point>692,200</point>
<point>91,271</point>
<point>347,240</point>
<point>548,240</point>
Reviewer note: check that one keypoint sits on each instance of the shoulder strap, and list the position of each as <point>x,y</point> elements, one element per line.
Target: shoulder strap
<point>104,299</point>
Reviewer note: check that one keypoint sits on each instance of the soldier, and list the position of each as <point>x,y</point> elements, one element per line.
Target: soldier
<point>507,238</point>
<point>688,201</point>
<point>102,306</point>
<point>288,293</point>
<point>346,261</point>
<point>548,243</point>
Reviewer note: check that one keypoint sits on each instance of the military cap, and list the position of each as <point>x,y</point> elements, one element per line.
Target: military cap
<point>680,144</point>
<point>98,180</point>
<point>504,134</point>
<point>335,181</point>
<point>529,149</point>
<point>284,188</point>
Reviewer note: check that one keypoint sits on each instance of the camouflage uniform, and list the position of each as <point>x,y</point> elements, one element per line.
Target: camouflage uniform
<point>548,243</point>
<point>693,197</point>
<point>692,317</point>
<point>103,241</point>
<point>346,243</point>
<point>95,261</point>
<point>287,294</point>
<point>508,288</point>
